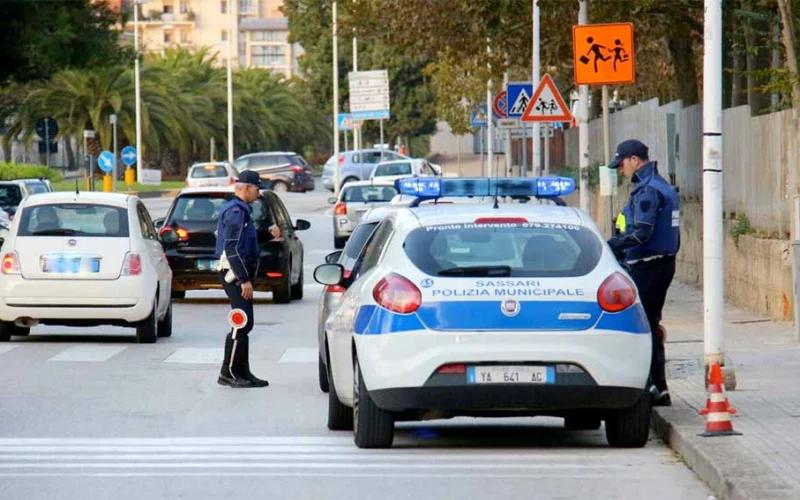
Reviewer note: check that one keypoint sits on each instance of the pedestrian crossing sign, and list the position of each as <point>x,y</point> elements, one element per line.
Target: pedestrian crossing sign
<point>518,96</point>
<point>546,105</point>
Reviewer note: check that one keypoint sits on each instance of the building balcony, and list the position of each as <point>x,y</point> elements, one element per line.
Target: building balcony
<point>155,17</point>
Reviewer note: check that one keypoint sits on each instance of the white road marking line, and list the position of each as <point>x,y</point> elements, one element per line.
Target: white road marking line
<point>88,353</point>
<point>308,465</point>
<point>300,355</point>
<point>5,348</point>
<point>195,440</point>
<point>356,455</point>
<point>550,475</point>
<point>196,355</point>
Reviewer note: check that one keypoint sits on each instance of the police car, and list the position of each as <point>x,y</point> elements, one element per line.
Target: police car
<point>487,310</point>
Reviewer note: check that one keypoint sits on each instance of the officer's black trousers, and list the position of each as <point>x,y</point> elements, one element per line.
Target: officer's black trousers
<point>236,361</point>
<point>653,278</point>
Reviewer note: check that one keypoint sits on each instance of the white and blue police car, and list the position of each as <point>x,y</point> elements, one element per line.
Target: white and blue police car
<point>487,310</point>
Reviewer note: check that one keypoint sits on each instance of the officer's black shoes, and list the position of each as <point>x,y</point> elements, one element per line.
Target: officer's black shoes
<point>237,383</point>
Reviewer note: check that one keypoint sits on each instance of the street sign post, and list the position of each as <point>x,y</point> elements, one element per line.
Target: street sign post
<point>519,95</point>
<point>500,105</point>
<point>106,161</point>
<point>47,128</point>
<point>478,116</point>
<point>508,123</point>
<point>346,122</point>
<point>128,155</point>
<point>369,96</point>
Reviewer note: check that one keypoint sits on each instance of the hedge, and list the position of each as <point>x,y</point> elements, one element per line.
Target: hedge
<point>12,171</point>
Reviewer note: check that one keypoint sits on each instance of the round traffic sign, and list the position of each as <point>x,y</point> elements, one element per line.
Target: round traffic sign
<point>106,161</point>
<point>128,155</point>
<point>237,318</point>
<point>500,105</point>
<point>47,128</point>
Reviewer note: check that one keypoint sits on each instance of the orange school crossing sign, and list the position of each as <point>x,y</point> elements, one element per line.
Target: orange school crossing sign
<point>603,54</point>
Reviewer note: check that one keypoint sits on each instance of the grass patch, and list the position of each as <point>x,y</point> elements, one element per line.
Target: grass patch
<point>69,185</point>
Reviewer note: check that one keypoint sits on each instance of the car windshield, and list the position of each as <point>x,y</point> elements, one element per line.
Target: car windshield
<point>299,160</point>
<point>393,169</point>
<point>368,194</point>
<point>36,187</point>
<point>205,207</point>
<point>74,219</point>
<point>504,249</point>
<point>10,196</point>
<point>206,171</point>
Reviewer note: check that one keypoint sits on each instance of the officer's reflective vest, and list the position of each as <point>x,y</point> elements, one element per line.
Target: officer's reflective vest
<point>666,237</point>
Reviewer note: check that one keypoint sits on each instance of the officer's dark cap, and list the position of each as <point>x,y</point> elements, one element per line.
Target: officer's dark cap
<point>249,177</point>
<point>626,149</point>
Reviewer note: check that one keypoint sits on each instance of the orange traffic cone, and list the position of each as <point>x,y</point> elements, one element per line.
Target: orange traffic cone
<point>718,410</point>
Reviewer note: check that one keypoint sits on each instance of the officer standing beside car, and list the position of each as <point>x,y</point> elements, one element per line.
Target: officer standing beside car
<point>238,251</point>
<point>646,242</point>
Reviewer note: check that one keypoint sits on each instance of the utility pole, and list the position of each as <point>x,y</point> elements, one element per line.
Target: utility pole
<point>489,114</point>
<point>356,132</point>
<point>536,156</point>
<point>138,92</point>
<point>713,250</point>
<point>583,124</point>
<point>336,166</point>
<point>230,80</point>
<point>508,131</point>
<point>113,120</point>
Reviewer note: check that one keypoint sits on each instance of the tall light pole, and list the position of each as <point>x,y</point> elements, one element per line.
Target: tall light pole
<point>713,251</point>
<point>336,166</point>
<point>138,92</point>
<point>230,81</point>
<point>113,120</point>
<point>489,115</point>
<point>583,126</point>
<point>536,140</point>
<point>356,132</point>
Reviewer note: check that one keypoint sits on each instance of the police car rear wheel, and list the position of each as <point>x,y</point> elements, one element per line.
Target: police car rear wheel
<point>372,426</point>
<point>630,428</point>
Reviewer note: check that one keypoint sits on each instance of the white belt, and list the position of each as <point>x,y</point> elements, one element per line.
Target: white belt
<point>645,259</point>
<point>222,263</point>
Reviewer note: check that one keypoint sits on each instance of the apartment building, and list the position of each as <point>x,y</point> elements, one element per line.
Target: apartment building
<point>259,38</point>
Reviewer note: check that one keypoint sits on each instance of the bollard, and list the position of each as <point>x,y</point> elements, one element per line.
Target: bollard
<point>107,183</point>
<point>130,177</point>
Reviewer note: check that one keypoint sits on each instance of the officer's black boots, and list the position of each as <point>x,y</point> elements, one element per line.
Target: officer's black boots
<point>245,368</point>
<point>235,371</point>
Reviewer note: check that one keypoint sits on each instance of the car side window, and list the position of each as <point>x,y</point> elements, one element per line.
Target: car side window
<point>261,161</point>
<point>356,158</point>
<point>146,223</point>
<point>373,249</point>
<point>278,215</point>
<point>282,208</point>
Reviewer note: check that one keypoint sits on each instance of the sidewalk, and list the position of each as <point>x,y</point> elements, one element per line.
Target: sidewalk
<point>764,462</point>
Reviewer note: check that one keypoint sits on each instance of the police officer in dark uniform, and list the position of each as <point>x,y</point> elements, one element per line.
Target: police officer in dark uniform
<point>238,250</point>
<point>646,243</point>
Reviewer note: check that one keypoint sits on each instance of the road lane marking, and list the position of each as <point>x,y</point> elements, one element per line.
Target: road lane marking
<point>5,348</point>
<point>300,355</point>
<point>196,355</point>
<point>88,353</point>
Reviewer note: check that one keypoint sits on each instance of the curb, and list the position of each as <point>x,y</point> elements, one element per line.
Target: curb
<point>723,463</point>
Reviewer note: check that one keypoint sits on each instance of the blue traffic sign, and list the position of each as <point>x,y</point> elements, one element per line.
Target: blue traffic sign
<point>128,155</point>
<point>517,99</point>
<point>371,115</point>
<point>106,161</point>
<point>478,116</point>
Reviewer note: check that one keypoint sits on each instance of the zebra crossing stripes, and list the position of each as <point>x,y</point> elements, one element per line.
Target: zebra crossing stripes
<point>294,456</point>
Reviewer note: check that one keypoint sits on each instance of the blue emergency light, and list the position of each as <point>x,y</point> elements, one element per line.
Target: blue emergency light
<point>539,187</point>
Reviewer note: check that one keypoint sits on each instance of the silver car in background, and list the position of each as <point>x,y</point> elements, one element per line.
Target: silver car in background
<point>356,165</point>
<point>356,199</point>
<point>331,296</point>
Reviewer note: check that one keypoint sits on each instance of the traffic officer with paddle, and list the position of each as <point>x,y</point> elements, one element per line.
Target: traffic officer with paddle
<point>237,250</point>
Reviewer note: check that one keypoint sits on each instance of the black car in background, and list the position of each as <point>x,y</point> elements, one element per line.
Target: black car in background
<point>281,171</point>
<point>193,217</point>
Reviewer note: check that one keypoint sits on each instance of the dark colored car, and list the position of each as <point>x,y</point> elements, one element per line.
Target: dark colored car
<point>193,216</point>
<point>282,171</point>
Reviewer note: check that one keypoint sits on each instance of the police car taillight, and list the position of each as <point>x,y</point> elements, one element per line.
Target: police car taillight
<point>616,294</point>
<point>397,294</point>
<point>452,369</point>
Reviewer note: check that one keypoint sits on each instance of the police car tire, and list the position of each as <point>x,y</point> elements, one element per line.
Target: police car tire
<point>147,329</point>
<point>373,427</point>
<point>340,417</point>
<point>165,325</point>
<point>323,375</point>
<point>630,427</point>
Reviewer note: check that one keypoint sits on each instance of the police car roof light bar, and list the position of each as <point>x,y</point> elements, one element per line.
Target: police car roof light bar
<point>430,189</point>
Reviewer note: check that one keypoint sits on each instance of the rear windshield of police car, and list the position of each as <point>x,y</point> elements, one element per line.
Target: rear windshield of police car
<point>208,171</point>
<point>369,194</point>
<point>74,219</point>
<point>504,249</point>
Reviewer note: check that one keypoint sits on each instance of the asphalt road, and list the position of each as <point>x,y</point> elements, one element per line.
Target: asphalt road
<point>88,414</point>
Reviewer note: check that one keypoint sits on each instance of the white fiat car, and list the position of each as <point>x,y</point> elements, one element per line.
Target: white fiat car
<point>487,310</point>
<point>84,259</point>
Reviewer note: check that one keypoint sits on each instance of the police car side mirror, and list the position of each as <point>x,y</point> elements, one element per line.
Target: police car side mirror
<point>329,274</point>
<point>333,257</point>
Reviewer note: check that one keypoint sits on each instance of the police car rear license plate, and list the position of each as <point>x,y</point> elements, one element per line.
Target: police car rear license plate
<point>494,374</point>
